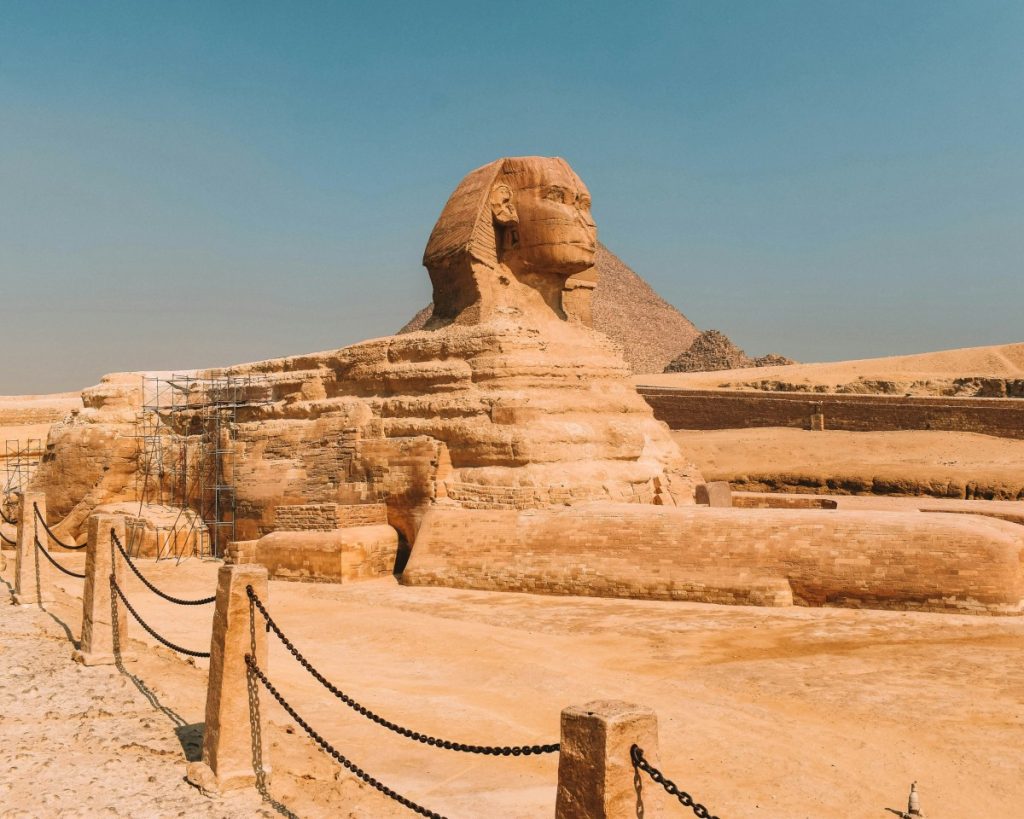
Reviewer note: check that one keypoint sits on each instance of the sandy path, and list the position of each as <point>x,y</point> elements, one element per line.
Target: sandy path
<point>78,741</point>
<point>783,713</point>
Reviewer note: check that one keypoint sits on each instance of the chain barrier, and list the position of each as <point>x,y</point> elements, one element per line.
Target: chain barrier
<point>6,519</point>
<point>117,590</point>
<point>203,601</point>
<point>255,671</point>
<point>49,531</point>
<point>57,565</point>
<point>636,753</point>
<point>7,540</point>
<point>493,750</point>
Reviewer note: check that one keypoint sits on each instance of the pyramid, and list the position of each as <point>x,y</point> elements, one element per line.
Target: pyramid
<point>650,331</point>
<point>712,350</point>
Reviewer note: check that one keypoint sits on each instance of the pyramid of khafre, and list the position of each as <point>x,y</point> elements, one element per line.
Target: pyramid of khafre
<point>650,331</point>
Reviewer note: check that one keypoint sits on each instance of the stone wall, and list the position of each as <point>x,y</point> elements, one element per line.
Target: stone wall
<point>323,517</point>
<point>727,409</point>
<point>28,416</point>
<point>339,556</point>
<point>872,559</point>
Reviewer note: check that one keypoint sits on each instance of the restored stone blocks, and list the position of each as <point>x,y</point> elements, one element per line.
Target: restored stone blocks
<point>863,559</point>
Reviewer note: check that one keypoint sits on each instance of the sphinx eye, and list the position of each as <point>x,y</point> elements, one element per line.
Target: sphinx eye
<point>555,194</point>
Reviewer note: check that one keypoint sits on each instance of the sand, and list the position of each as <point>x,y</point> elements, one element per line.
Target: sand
<point>912,462</point>
<point>764,712</point>
<point>1004,361</point>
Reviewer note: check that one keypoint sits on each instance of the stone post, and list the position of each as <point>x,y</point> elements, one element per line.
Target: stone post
<point>228,739</point>
<point>98,638</point>
<point>596,778</point>
<point>32,581</point>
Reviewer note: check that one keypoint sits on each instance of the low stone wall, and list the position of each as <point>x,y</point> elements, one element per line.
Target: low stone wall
<point>871,559</point>
<point>781,502</point>
<point>728,409</point>
<point>339,556</point>
<point>323,517</point>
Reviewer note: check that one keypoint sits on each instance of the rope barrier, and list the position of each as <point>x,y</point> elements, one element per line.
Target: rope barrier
<point>203,601</point>
<point>493,750</point>
<point>49,531</point>
<point>636,753</point>
<point>57,565</point>
<point>254,670</point>
<point>117,590</point>
<point>7,540</point>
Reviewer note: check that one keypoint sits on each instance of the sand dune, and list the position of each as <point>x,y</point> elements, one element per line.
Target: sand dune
<point>906,372</point>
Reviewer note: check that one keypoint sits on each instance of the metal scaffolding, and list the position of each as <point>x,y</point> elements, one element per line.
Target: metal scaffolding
<point>187,445</point>
<point>20,461</point>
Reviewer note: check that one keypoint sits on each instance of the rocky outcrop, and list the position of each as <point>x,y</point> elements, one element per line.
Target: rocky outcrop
<point>712,350</point>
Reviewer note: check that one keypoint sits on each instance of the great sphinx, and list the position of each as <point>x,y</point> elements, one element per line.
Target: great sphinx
<point>504,447</point>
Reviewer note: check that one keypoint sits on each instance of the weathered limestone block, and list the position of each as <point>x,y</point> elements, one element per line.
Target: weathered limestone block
<point>32,572</point>
<point>596,777</point>
<point>99,642</point>
<point>714,493</point>
<point>900,560</point>
<point>228,733</point>
<point>336,556</point>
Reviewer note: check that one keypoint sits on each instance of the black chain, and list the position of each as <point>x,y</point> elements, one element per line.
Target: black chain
<point>203,601</point>
<point>636,753</point>
<point>6,519</point>
<point>49,531</point>
<point>7,540</point>
<point>57,565</point>
<point>117,589</point>
<point>254,670</point>
<point>494,750</point>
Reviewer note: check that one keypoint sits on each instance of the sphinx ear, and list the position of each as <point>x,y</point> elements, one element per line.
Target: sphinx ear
<point>502,208</point>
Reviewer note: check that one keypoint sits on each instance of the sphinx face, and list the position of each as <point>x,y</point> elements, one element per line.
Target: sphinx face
<point>554,233</point>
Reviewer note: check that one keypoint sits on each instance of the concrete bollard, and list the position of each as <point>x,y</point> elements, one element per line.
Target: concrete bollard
<point>98,639</point>
<point>596,778</point>
<point>32,581</point>
<point>228,749</point>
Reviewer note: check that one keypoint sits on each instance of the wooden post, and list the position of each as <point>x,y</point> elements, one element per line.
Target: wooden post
<point>228,735</point>
<point>32,583</point>
<point>98,640</point>
<point>596,778</point>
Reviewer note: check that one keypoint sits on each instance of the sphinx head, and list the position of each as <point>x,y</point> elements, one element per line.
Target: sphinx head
<point>509,239</point>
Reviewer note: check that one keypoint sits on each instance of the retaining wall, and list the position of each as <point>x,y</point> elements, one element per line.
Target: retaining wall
<point>901,560</point>
<point>729,409</point>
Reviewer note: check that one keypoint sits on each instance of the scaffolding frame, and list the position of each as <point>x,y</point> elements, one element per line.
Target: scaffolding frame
<point>20,462</point>
<point>187,431</point>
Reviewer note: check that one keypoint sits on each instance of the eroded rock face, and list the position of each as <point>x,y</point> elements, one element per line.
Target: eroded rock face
<point>91,457</point>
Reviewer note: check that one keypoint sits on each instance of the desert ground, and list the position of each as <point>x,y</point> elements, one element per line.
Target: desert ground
<point>763,712</point>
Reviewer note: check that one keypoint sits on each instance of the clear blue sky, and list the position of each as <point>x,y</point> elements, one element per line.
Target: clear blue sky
<point>195,184</point>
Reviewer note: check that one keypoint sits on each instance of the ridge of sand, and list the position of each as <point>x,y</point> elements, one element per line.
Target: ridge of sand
<point>1000,361</point>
